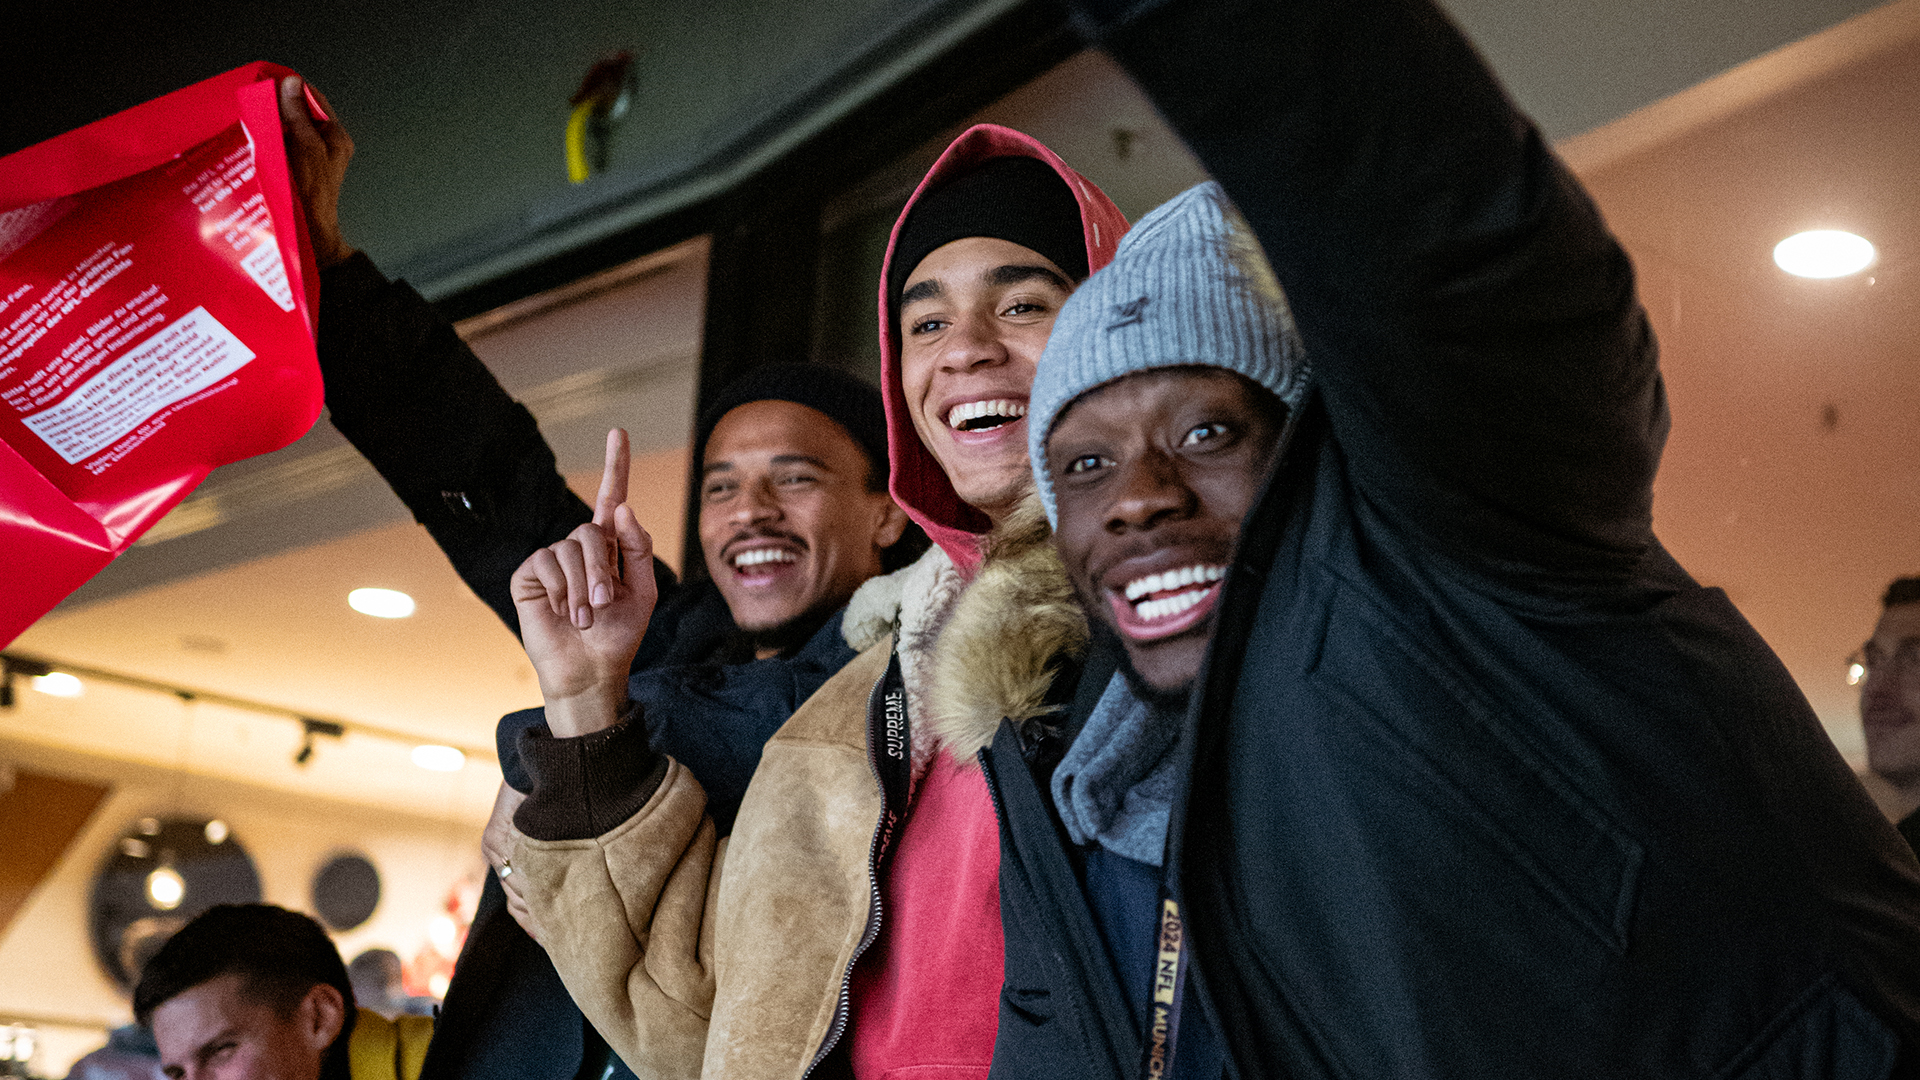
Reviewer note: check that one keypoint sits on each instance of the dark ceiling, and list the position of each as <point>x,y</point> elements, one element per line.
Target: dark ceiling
<point>458,107</point>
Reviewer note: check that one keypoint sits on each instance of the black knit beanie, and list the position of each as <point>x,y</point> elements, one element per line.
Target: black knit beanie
<point>1018,199</point>
<point>852,402</point>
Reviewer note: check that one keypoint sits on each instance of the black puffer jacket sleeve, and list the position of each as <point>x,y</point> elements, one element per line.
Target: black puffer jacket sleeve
<point>1472,326</point>
<point>467,459</point>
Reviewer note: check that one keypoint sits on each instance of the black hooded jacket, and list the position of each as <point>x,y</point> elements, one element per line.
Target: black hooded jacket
<point>1480,782</point>
<point>471,465</point>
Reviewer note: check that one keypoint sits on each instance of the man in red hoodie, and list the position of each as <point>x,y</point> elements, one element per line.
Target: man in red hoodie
<point>779,964</point>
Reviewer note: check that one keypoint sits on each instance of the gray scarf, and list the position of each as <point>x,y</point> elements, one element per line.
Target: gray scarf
<point>1115,784</point>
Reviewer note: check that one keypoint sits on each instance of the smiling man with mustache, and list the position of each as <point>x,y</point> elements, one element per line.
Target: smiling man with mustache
<point>794,513</point>
<point>793,517</point>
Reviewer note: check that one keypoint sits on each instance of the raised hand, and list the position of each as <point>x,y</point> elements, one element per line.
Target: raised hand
<point>317,154</point>
<point>584,605</point>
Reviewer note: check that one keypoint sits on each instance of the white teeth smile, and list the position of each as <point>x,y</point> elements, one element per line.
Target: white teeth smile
<point>1200,577</point>
<point>999,410</point>
<point>1155,610</point>
<point>1198,574</point>
<point>762,555</point>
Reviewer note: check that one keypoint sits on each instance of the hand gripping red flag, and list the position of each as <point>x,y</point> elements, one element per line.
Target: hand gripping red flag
<point>157,309</point>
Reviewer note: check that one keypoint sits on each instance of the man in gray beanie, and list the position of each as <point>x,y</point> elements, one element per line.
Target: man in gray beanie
<point>1473,779</point>
<point>1156,413</point>
<point>1155,417</point>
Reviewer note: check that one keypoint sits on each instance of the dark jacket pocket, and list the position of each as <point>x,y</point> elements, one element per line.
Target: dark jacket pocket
<point>1472,762</point>
<point>1033,1006</point>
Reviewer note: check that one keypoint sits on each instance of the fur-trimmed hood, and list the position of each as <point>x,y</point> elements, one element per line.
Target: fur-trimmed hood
<point>1002,645</point>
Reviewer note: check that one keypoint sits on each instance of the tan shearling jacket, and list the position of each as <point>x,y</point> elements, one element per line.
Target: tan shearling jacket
<point>698,957</point>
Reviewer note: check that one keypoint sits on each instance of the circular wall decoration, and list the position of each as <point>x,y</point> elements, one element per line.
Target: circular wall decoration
<point>345,891</point>
<point>159,875</point>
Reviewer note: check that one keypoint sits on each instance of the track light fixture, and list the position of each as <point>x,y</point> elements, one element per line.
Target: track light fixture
<point>62,679</point>
<point>14,665</point>
<point>310,729</point>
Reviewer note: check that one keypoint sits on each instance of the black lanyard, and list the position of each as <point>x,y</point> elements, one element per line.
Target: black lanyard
<point>1164,993</point>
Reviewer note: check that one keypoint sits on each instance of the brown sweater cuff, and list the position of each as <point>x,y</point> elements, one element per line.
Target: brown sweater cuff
<point>586,785</point>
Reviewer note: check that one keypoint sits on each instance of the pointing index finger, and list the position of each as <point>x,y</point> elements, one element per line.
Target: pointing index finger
<point>613,481</point>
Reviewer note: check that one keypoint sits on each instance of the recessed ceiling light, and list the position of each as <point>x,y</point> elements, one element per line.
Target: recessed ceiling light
<point>439,758</point>
<point>1823,253</point>
<point>59,684</point>
<point>381,603</point>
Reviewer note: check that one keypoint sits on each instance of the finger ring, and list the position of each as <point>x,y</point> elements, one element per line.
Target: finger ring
<point>506,869</point>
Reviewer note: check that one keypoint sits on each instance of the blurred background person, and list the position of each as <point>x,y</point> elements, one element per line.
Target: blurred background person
<point>129,1055</point>
<point>376,976</point>
<point>257,992</point>
<point>1890,701</point>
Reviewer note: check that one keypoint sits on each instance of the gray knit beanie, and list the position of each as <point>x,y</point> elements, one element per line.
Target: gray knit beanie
<point>1188,287</point>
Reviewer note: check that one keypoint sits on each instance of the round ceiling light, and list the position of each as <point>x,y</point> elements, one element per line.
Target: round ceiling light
<point>439,758</point>
<point>381,603</point>
<point>1823,253</point>
<point>59,684</point>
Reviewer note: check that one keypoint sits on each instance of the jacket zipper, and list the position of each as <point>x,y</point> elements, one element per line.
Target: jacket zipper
<point>993,787</point>
<point>844,1006</point>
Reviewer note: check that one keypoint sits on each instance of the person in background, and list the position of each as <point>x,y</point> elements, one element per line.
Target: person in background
<point>129,1055</point>
<point>377,978</point>
<point>1890,700</point>
<point>1474,779</point>
<point>852,921</point>
<point>257,992</point>
<point>793,516</point>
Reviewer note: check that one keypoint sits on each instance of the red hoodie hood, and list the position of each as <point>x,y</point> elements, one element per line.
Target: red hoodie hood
<point>918,484</point>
